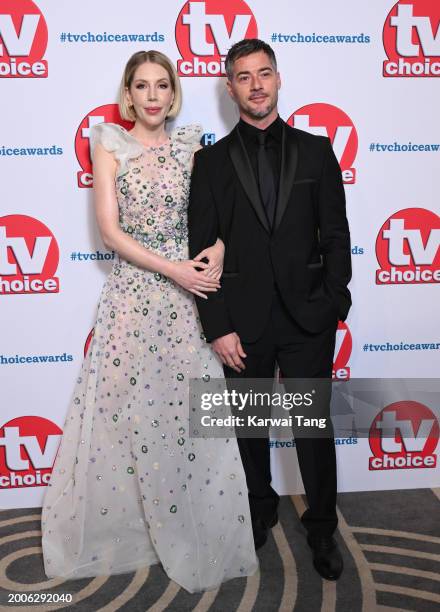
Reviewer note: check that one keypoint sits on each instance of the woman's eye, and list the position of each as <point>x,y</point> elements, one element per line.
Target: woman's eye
<point>140,86</point>
<point>163,85</point>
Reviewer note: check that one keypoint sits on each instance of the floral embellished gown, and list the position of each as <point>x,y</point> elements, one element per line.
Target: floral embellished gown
<point>129,487</point>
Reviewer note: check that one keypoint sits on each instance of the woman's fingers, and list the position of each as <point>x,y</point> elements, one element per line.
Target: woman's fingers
<point>198,264</point>
<point>201,255</point>
<point>204,281</point>
<point>199,293</point>
<point>214,272</point>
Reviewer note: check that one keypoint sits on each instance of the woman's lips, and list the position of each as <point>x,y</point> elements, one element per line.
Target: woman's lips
<point>152,110</point>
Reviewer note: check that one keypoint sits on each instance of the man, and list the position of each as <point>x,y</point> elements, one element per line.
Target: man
<point>274,194</point>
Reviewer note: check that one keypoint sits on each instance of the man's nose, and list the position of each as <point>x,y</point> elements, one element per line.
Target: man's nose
<point>255,83</point>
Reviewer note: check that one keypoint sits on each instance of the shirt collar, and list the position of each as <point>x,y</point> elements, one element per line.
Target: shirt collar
<point>249,132</point>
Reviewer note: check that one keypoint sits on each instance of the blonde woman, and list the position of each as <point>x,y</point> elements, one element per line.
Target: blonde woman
<point>129,487</point>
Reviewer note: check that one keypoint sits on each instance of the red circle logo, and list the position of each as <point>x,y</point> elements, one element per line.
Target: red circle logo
<point>328,120</point>
<point>404,435</point>
<point>411,39</point>
<point>88,341</point>
<point>28,447</point>
<point>206,30</point>
<point>343,348</point>
<point>408,248</point>
<point>29,256</point>
<point>108,113</point>
<point>23,40</point>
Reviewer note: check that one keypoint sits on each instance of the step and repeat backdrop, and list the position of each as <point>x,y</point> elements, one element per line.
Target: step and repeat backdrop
<point>365,74</point>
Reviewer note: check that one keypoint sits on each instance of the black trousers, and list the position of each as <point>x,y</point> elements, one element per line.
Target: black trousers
<point>299,354</point>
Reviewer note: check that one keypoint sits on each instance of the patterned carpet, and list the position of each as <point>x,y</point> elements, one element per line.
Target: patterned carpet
<point>390,541</point>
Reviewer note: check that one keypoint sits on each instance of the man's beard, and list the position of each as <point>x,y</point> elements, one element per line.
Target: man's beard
<point>264,112</point>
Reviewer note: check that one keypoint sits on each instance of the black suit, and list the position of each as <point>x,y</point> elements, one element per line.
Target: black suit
<point>283,287</point>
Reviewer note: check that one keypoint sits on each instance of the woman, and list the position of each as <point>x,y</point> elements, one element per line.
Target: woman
<point>129,487</point>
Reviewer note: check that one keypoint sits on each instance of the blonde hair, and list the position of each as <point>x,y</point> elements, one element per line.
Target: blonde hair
<point>155,57</point>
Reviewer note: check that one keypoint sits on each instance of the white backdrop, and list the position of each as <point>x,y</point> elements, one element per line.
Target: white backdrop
<point>60,65</point>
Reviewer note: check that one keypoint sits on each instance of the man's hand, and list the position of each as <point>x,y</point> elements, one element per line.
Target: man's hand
<point>230,351</point>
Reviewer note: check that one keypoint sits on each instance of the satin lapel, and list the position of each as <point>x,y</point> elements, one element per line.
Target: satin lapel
<point>246,176</point>
<point>289,162</point>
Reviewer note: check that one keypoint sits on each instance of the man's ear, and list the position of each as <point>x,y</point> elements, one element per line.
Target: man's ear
<point>278,80</point>
<point>229,88</point>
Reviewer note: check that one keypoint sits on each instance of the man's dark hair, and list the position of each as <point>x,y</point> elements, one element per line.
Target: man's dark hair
<point>246,47</point>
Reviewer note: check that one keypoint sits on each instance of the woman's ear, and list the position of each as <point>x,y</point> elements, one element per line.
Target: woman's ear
<point>128,97</point>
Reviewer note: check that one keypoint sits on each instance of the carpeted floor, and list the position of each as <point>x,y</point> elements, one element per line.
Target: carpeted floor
<point>390,541</point>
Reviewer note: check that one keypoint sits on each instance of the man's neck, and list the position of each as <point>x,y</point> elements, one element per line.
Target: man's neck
<point>260,123</point>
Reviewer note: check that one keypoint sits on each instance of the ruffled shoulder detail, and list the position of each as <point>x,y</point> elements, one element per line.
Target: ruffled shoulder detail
<point>187,134</point>
<point>186,141</point>
<point>115,139</point>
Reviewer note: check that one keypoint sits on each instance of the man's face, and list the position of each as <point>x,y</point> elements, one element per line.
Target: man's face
<point>254,85</point>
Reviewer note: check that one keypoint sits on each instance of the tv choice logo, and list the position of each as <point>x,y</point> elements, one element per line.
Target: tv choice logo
<point>411,39</point>
<point>328,120</point>
<point>408,248</point>
<point>343,348</point>
<point>28,447</point>
<point>404,435</point>
<point>108,113</point>
<point>206,30</point>
<point>29,256</point>
<point>23,40</point>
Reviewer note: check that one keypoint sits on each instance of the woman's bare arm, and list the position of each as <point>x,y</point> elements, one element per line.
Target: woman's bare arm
<point>107,216</point>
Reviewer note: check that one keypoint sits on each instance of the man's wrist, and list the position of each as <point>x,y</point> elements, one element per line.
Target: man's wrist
<point>222,336</point>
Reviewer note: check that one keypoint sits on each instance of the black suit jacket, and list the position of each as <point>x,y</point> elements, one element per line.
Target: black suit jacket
<point>307,254</point>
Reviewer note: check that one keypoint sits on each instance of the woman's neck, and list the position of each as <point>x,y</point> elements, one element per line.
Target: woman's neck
<point>148,135</point>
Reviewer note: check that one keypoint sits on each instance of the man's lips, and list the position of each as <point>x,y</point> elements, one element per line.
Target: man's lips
<point>258,98</point>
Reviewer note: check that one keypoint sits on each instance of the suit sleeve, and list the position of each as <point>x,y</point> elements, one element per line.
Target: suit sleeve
<point>334,233</point>
<point>203,231</point>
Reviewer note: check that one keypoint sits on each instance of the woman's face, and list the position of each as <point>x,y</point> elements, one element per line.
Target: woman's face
<point>151,94</point>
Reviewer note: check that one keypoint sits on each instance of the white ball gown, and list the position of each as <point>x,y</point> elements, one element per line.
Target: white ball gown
<point>129,487</point>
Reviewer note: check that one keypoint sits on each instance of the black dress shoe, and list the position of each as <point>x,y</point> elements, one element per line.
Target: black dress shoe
<point>260,533</point>
<point>261,530</point>
<point>327,558</point>
<point>273,521</point>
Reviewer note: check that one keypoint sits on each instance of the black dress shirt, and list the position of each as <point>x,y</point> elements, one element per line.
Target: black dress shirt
<point>273,145</point>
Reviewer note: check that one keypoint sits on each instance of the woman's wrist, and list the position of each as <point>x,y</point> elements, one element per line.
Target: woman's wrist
<point>168,268</point>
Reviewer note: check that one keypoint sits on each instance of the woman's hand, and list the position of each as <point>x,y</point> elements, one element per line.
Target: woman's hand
<point>215,255</point>
<point>185,274</point>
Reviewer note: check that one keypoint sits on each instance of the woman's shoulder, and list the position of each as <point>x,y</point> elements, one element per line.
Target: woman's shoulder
<point>115,139</point>
<point>110,135</point>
